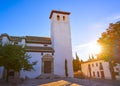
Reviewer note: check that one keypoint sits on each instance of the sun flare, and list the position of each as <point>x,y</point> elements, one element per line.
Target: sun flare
<point>94,48</point>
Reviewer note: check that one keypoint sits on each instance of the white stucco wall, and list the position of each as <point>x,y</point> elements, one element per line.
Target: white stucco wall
<point>1,72</point>
<point>106,70</point>
<point>84,67</point>
<point>5,40</point>
<point>36,56</point>
<point>61,42</point>
<point>117,69</point>
<point>96,69</point>
<point>23,42</point>
<point>33,44</point>
<point>39,45</point>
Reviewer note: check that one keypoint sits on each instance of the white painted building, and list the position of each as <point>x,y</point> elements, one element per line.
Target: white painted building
<point>117,71</point>
<point>99,69</point>
<point>50,53</point>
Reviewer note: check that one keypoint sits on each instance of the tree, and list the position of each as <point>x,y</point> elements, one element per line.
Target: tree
<point>76,64</point>
<point>110,43</point>
<point>91,57</point>
<point>15,57</point>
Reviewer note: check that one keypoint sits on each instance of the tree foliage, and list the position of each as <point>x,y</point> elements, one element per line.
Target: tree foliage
<point>110,43</point>
<point>76,64</point>
<point>15,57</point>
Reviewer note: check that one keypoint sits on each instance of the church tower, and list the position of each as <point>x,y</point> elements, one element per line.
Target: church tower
<point>61,43</point>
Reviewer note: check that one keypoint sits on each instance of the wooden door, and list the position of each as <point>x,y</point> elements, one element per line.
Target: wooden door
<point>47,66</point>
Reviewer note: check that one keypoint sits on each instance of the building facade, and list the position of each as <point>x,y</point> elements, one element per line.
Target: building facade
<point>99,69</point>
<point>50,53</point>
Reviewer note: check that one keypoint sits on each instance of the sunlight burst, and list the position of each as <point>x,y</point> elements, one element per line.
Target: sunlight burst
<point>94,48</point>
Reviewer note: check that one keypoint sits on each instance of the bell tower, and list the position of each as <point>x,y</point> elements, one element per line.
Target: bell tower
<point>61,43</point>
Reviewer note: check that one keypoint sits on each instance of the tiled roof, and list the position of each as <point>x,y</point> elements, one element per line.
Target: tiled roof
<point>39,49</point>
<point>15,38</point>
<point>5,34</point>
<point>29,39</point>
<point>11,38</point>
<point>42,40</point>
<point>56,11</point>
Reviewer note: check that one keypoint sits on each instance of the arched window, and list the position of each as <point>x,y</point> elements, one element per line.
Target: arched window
<point>58,17</point>
<point>89,66</point>
<point>96,64</point>
<point>92,65</point>
<point>98,74</point>
<point>64,18</point>
<point>93,73</point>
<point>101,67</point>
<point>66,68</point>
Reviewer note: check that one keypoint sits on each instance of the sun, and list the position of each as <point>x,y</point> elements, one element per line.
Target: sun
<point>94,48</point>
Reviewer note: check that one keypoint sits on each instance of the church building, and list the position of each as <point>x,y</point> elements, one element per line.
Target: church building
<point>53,55</point>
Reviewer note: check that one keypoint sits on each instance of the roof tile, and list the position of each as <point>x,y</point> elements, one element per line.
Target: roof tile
<point>39,49</point>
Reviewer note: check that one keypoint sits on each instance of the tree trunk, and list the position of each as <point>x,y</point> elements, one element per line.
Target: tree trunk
<point>112,70</point>
<point>16,79</point>
<point>7,76</point>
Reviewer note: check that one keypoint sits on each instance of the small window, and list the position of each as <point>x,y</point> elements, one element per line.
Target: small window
<point>117,69</point>
<point>64,18</point>
<point>102,74</point>
<point>93,73</point>
<point>88,65</point>
<point>15,43</point>
<point>45,45</point>
<point>98,74</point>
<point>52,53</point>
<point>92,65</point>
<point>58,17</point>
<point>96,64</point>
<point>101,67</point>
<point>41,53</point>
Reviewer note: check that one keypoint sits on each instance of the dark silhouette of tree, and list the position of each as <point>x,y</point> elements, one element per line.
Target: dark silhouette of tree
<point>91,57</point>
<point>110,43</point>
<point>76,64</point>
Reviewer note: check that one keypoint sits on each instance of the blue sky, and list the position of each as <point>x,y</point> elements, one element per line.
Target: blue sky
<point>88,19</point>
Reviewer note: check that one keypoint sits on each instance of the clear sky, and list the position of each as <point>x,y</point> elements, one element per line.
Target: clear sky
<point>88,19</point>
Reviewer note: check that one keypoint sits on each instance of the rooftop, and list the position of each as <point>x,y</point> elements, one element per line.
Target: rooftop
<point>56,11</point>
<point>29,39</point>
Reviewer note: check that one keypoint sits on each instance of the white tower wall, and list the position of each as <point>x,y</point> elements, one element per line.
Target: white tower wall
<point>61,42</point>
